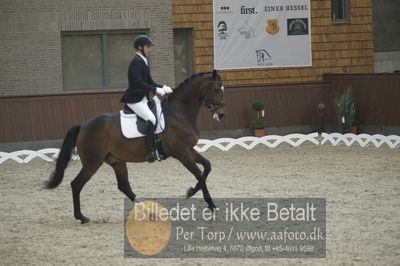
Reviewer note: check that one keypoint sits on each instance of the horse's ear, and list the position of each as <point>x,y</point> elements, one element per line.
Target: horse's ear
<point>214,74</point>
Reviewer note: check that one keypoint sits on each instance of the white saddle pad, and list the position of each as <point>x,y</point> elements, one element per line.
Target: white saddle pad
<point>128,122</point>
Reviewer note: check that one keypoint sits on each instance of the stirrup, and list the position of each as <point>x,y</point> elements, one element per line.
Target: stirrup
<point>159,156</point>
<point>159,150</point>
<point>152,157</point>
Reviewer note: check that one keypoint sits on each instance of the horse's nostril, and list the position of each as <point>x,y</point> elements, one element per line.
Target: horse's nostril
<point>221,116</point>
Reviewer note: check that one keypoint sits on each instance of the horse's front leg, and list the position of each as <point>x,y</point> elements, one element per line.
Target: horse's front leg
<point>207,169</point>
<point>189,162</point>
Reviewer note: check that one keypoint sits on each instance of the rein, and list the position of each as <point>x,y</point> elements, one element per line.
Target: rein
<point>182,100</point>
<point>211,106</point>
<point>203,103</point>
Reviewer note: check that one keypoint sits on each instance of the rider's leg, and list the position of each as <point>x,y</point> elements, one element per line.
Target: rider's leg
<point>151,141</point>
<point>142,110</point>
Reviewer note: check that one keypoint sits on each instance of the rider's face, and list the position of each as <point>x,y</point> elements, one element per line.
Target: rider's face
<point>146,50</point>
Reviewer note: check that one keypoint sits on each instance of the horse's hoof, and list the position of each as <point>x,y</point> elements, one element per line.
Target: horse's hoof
<point>189,192</point>
<point>84,220</point>
<point>212,207</point>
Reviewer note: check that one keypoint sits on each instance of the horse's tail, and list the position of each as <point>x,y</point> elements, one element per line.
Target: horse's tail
<point>63,158</point>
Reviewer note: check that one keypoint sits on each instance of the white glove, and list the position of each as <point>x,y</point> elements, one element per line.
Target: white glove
<point>167,89</point>
<point>160,91</point>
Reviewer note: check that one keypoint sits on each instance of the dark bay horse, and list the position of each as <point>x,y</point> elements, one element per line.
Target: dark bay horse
<point>100,140</point>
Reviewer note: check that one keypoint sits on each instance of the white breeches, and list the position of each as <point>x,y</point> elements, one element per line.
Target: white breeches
<point>142,110</point>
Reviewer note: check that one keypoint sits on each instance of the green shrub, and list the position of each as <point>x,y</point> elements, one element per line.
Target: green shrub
<point>257,123</point>
<point>258,106</point>
<point>346,109</point>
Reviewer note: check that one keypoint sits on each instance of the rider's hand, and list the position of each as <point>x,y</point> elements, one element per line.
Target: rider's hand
<point>160,91</point>
<point>167,89</point>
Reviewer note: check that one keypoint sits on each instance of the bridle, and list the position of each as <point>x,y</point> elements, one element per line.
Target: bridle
<point>206,99</point>
<point>214,86</point>
<point>210,105</point>
<point>213,106</point>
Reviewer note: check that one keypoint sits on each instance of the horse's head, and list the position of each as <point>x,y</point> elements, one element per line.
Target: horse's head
<point>213,96</point>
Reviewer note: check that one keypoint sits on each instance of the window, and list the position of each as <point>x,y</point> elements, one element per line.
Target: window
<point>182,54</point>
<point>340,10</point>
<point>96,60</point>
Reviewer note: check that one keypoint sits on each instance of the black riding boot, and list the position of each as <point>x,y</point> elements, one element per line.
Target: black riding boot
<point>151,142</point>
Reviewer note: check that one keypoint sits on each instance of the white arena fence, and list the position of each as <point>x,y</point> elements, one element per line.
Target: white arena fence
<point>248,143</point>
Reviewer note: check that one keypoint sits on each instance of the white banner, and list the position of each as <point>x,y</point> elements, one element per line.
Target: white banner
<point>261,33</point>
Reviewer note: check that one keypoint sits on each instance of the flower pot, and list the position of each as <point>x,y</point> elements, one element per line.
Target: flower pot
<point>259,132</point>
<point>354,129</point>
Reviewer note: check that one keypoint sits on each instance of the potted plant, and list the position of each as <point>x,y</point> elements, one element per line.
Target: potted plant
<point>346,110</point>
<point>258,124</point>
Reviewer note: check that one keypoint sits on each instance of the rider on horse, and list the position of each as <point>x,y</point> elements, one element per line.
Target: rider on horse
<point>142,89</point>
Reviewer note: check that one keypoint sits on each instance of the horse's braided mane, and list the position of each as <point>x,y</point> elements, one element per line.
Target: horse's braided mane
<point>192,77</point>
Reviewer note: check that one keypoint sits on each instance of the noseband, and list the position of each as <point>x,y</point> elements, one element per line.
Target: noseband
<point>213,106</point>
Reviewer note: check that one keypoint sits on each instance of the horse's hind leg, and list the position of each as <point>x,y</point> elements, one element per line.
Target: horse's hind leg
<point>87,171</point>
<point>121,173</point>
<point>207,169</point>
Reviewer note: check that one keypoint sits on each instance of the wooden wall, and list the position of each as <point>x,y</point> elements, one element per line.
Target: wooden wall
<point>50,116</point>
<point>376,95</point>
<point>336,47</point>
<point>285,105</point>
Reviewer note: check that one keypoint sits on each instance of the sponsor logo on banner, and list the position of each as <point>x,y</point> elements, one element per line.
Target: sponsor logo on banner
<point>260,34</point>
<point>297,26</point>
<point>296,8</point>
<point>272,26</point>
<point>222,28</point>
<point>248,10</point>
<point>262,57</point>
<point>246,31</point>
<point>224,9</point>
<point>273,8</point>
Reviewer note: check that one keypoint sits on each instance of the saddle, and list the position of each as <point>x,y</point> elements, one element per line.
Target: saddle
<point>133,126</point>
<point>140,123</point>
